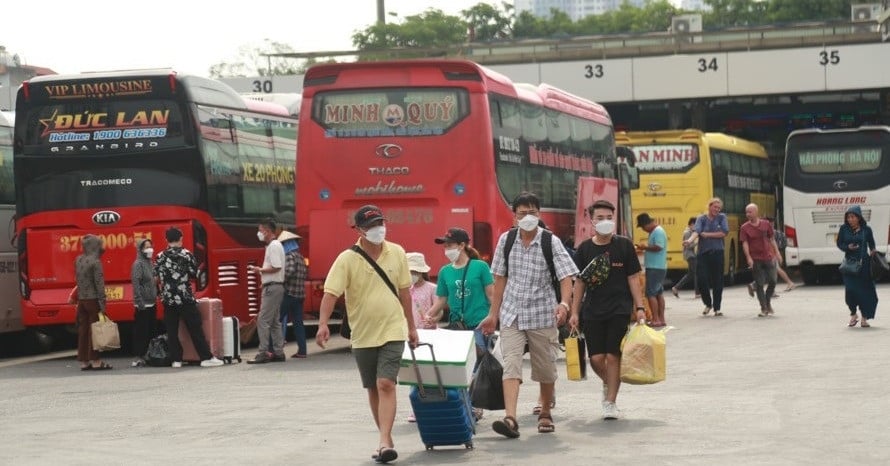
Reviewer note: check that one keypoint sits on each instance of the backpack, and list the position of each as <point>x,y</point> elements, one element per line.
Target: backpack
<point>546,248</point>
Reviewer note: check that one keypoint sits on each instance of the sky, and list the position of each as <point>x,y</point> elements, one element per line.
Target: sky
<point>187,35</point>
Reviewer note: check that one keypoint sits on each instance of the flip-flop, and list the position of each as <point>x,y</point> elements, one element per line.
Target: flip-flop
<point>103,366</point>
<point>853,322</point>
<point>88,367</point>
<point>864,324</point>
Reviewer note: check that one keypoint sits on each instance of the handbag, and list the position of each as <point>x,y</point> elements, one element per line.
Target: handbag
<point>576,356</point>
<point>851,266</point>
<point>158,352</point>
<point>879,266</point>
<point>105,334</point>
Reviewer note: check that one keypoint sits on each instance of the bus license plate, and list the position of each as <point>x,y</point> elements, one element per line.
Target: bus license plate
<point>114,293</point>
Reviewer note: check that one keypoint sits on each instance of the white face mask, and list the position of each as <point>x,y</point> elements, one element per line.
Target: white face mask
<point>376,235</point>
<point>528,223</point>
<point>148,252</point>
<point>452,254</point>
<point>260,236</point>
<point>415,277</point>
<point>605,227</point>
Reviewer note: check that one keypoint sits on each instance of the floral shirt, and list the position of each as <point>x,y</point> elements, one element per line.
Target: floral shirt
<point>176,267</point>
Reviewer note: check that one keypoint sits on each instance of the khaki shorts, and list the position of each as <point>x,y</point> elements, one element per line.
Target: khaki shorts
<point>543,344</point>
<point>380,362</point>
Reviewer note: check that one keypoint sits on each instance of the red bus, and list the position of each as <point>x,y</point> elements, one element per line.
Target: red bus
<point>126,155</point>
<point>439,143</point>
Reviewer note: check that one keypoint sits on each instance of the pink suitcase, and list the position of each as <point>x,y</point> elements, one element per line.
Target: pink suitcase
<point>211,311</point>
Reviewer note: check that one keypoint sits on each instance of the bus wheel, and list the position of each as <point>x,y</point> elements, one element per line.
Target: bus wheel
<point>731,273</point>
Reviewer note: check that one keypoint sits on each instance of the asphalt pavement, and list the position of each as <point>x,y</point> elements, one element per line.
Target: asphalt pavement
<point>799,388</point>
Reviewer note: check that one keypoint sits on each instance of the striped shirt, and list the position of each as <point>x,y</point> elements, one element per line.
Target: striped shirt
<point>529,296</point>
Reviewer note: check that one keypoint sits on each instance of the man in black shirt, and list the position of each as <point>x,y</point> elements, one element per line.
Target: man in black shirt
<point>605,293</point>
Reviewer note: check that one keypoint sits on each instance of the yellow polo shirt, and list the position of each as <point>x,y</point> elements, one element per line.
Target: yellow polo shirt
<point>375,313</point>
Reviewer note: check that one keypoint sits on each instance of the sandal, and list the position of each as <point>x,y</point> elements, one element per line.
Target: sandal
<point>546,427</point>
<point>88,367</point>
<point>385,455</point>
<point>853,321</point>
<point>864,323</point>
<point>537,409</point>
<point>508,427</point>
<point>103,366</point>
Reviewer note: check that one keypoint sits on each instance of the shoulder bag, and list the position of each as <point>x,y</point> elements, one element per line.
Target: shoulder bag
<point>459,324</point>
<point>852,266</point>
<point>380,271</point>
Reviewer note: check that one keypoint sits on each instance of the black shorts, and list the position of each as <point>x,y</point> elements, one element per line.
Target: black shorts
<point>604,336</point>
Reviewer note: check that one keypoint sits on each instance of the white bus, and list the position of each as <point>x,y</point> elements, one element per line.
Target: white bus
<point>826,172</point>
<point>10,309</point>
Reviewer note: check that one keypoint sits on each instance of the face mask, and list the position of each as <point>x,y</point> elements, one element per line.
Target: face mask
<point>452,254</point>
<point>414,278</point>
<point>605,227</point>
<point>148,252</point>
<point>528,223</point>
<point>376,235</point>
<point>260,236</point>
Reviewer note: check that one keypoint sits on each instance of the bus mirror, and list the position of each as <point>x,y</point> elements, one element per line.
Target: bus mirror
<point>633,176</point>
<point>627,154</point>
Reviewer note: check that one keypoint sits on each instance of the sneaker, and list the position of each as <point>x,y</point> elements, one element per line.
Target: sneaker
<point>610,411</point>
<point>718,314</point>
<point>212,362</point>
<point>751,290</point>
<point>176,364</point>
<point>260,358</point>
<point>706,311</point>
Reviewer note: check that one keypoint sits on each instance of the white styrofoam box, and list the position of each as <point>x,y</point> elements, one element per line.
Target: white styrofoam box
<point>455,355</point>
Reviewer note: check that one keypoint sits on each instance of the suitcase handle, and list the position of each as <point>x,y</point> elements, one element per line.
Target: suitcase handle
<point>420,387</point>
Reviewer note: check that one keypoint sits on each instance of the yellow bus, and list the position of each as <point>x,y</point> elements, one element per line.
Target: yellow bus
<point>680,170</point>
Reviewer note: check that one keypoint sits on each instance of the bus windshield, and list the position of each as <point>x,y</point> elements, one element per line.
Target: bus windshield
<point>389,112</point>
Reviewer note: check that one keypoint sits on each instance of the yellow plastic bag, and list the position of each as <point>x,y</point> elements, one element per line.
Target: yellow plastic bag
<point>576,356</point>
<point>643,356</point>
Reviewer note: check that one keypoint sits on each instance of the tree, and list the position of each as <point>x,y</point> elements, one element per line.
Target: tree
<point>486,22</point>
<point>252,62</point>
<point>782,11</point>
<point>430,29</point>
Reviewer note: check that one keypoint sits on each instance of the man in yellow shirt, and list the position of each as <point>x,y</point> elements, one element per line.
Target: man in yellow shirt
<point>380,316</point>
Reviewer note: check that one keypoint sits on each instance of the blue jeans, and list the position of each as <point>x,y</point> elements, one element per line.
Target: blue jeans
<point>292,308</point>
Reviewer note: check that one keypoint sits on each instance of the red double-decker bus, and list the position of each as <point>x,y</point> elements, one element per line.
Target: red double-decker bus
<point>126,155</point>
<point>442,143</point>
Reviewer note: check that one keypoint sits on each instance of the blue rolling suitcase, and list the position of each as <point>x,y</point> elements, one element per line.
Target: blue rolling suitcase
<point>444,415</point>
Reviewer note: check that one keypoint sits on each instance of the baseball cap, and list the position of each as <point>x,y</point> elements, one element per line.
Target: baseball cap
<point>643,219</point>
<point>454,235</point>
<point>367,215</point>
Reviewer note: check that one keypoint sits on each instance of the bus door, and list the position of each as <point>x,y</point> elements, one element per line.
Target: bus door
<point>590,190</point>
